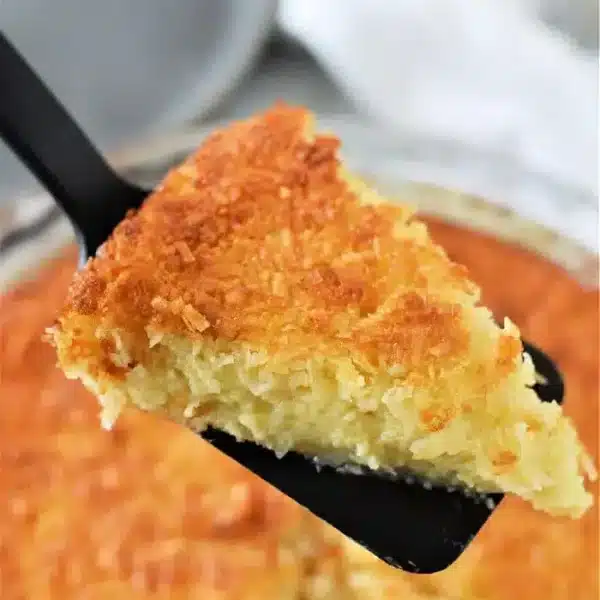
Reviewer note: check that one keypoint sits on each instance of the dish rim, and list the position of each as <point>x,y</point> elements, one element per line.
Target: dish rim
<point>432,191</point>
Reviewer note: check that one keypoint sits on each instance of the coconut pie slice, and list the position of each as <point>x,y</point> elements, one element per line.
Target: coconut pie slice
<point>264,291</point>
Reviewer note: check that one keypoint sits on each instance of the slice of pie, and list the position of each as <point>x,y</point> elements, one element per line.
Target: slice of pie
<point>264,291</point>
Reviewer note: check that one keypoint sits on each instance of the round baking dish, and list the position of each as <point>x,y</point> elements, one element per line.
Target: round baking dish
<point>546,281</point>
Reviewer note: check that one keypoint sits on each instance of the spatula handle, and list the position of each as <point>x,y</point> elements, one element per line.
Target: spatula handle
<point>39,130</point>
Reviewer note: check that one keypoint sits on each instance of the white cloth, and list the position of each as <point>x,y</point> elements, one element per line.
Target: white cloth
<point>486,74</point>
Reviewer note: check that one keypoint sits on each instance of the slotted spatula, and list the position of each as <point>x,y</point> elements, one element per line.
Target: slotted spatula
<point>401,521</point>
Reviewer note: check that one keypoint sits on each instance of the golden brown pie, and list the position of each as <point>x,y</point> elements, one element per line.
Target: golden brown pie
<point>147,511</point>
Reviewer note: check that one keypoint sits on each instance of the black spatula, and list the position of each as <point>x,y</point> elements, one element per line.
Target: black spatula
<point>409,526</point>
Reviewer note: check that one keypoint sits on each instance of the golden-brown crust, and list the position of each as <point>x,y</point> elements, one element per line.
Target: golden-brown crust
<point>259,237</point>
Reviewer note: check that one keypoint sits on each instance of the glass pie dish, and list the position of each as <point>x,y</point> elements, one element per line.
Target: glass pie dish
<point>125,513</point>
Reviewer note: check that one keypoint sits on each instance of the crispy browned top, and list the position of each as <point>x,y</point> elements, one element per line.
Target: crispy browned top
<point>258,237</point>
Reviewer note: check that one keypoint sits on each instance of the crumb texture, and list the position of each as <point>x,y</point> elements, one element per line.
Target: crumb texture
<point>265,291</point>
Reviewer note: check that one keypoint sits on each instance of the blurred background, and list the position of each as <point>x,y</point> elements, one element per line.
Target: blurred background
<point>512,81</point>
<point>484,113</point>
